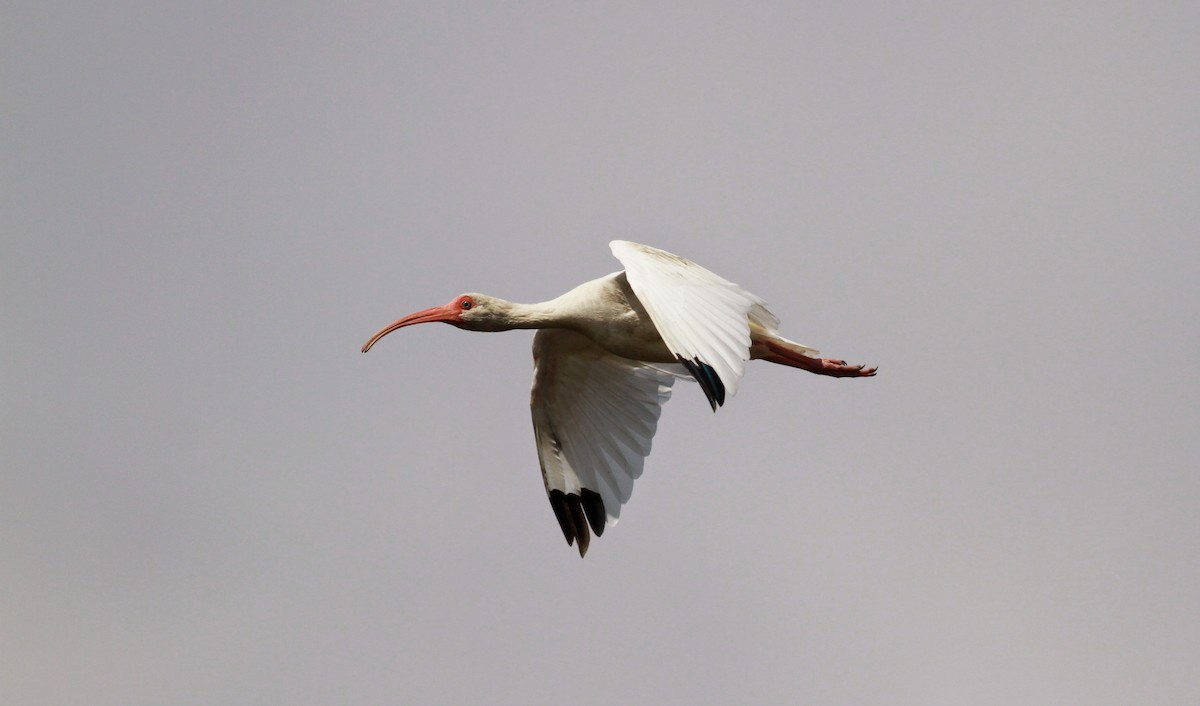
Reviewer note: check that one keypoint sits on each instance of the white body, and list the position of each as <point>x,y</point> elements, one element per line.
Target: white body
<point>601,377</point>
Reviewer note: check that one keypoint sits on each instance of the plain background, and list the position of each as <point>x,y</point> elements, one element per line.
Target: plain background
<point>209,496</point>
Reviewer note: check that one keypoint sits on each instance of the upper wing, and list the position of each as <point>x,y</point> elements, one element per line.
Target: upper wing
<point>704,319</point>
<point>594,415</point>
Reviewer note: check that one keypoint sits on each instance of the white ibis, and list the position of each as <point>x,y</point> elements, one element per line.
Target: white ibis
<point>605,357</point>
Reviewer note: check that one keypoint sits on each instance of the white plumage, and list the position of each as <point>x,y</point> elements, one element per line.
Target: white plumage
<point>605,358</point>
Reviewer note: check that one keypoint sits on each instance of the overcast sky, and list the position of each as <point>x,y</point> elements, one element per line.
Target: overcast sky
<point>209,496</point>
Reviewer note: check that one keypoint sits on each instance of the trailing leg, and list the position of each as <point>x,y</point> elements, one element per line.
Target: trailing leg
<point>784,352</point>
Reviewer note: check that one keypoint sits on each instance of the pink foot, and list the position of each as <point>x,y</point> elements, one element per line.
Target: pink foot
<point>839,369</point>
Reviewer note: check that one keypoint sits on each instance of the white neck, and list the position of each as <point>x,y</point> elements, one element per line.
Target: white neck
<point>541,315</point>
<point>579,309</point>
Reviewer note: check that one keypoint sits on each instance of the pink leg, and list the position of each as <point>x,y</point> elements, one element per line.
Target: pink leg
<point>821,366</point>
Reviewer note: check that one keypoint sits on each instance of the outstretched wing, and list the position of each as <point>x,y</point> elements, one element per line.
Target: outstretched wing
<point>594,415</point>
<point>704,319</point>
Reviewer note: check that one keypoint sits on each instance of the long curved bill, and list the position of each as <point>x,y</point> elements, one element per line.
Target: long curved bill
<point>442,313</point>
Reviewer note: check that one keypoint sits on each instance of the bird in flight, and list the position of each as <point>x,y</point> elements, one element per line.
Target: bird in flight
<point>605,357</point>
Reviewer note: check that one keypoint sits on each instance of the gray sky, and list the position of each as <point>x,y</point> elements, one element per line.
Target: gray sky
<point>209,496</point>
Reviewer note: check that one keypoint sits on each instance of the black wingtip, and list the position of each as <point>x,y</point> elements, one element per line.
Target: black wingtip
<point>593,507</point>
<point>709,381</point>
<point>558,502</point>
<point>568,510</point>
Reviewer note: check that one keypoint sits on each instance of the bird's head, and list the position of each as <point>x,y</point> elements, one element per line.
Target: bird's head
<point>474,312</point>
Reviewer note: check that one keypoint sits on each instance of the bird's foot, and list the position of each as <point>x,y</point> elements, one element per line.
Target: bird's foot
<point>840,369</point>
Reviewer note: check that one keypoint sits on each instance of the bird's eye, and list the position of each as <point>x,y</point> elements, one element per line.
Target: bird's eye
<point>465,303</point>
